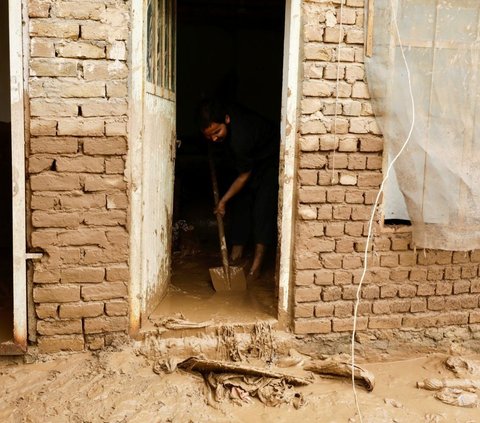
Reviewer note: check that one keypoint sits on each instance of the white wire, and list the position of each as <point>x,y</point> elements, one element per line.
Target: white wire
<point>340,38</point>
<point>374,208</point>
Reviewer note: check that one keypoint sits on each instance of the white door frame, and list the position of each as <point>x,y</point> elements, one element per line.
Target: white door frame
<point>288,158</point>
<point>134,162</point>
<point>18,174</point>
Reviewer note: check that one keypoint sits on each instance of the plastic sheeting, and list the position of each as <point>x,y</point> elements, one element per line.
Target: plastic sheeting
<point>439,171</point>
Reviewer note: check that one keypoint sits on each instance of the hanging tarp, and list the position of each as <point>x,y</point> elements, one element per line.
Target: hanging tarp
<point>439,171</point>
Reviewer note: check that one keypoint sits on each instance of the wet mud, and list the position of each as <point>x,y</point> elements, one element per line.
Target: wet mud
<point>121,386</point>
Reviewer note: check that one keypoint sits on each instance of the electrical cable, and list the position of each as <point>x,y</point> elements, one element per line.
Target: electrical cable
<point>374,208</point>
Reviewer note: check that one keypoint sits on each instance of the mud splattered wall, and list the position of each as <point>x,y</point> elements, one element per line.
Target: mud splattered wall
<point>337,184</point>
<point>76,161</point>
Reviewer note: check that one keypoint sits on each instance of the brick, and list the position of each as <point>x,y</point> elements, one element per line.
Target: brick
<point>418,274</point>
<point>56,294</point>
<point>461,287</point>
<point>390,322</point>
<point>343,309</point>
<point>71,88</point>
<point>39,164</point>
<point>418,305</point>
<point>116,308</point>
<point>444,288</point>
<point>469,271</point>
<point>48,107</point>
<point>104,291</point>
<point>53,67</point>
<point>307,294</point>
<point>436,303</point>
<point>453,318</point>
<point>82,237</point>
<point>117,88</point>
<point>346,325</point>
<point>54,182</point>
<point>104,32</point>
<point>303,310</point>
<point>80,50</point>
<point>82,274</point>
<point>42,219</point>
<point>317,51</point>
<point>39,127</point>
<point>370,292</point>
<point>105,218</point>
<point>38,8</point>
<point>46,311</point>
<point>46,276</point>
<point>381,307</point>
<point>56,28</point>
<point>44,238</point>
<point>114,165</point>
<point>312,161</point>
<point>312,195</point>
<point>104,107</point>
<point>420,320</point>
<point>53,344</point>
<point>117,201</point>
<point>332,293</point>
<point>104,70</point>
<point>80,310</point>
<point>117,50</point>
<point>324,309</point>
<point>104,183</point>
<point>59,327</point>
<point>81,126</point>
<point>78,10</point>
<point>82,201</point>
<point>42,48</point>
<point>55,145</point>
<point>106,324</point>
<point>426,289</point>
<point>116,127</point>
<point>407,291</point>
<point>306,326</point>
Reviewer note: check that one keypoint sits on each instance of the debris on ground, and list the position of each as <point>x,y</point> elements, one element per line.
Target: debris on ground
<point>433,384</point>
<point>240,382</point>
<point>458,397</point>
<point>460,391</point>
<point>228,345</point>
<point>179,322</point>
<point>262,345</point>
<point>205,365</point>
<point>463,367</point>
<point>341,365</point>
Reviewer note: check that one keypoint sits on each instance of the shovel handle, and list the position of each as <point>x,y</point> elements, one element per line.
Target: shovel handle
<point>221,228</point>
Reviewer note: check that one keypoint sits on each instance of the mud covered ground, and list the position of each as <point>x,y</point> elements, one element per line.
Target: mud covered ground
<point>120,386</point>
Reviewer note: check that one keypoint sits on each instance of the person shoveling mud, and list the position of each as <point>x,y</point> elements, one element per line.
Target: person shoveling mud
<point>253,144</point>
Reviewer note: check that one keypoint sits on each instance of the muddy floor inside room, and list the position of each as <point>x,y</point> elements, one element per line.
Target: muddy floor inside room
<point>196,249</point>
<point>233,53</point>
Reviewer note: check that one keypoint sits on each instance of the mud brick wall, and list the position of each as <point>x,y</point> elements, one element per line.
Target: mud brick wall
<point>338,180</point>
<point>75,163</point>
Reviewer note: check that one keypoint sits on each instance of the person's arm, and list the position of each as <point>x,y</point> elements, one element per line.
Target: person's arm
<point>234,189</point>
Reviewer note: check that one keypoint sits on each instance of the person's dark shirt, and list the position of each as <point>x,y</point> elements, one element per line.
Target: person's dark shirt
<point>253,140</point>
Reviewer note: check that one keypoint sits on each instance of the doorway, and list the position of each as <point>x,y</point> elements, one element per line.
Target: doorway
<point>232,50</point>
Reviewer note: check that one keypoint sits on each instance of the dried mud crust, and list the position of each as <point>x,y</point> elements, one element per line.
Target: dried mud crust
<point>121,386</point>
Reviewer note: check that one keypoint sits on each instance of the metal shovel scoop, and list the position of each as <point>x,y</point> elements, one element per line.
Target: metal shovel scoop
<point>225,278</point>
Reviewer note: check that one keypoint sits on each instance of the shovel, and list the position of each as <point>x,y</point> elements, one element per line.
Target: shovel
<point>225,278</point>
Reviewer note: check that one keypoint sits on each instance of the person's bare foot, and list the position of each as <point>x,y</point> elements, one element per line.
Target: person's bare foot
<point>254,272</point>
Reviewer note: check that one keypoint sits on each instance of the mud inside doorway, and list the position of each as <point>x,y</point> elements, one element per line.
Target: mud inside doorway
<point>231,50</point>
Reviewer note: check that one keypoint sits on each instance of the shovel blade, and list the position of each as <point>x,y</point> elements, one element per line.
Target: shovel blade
<point>238,281</point>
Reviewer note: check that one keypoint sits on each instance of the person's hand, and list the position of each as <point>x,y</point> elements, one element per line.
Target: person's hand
<point>220,209</point>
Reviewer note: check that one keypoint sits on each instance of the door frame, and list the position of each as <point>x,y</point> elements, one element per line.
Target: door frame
<point>134,162</point>
<point>288,159</point>
<point>17,113</point>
